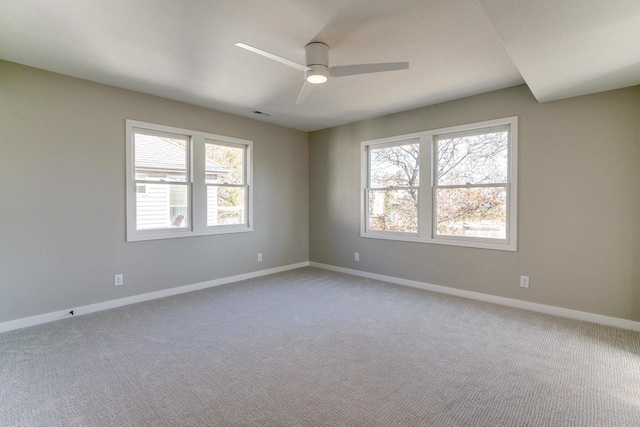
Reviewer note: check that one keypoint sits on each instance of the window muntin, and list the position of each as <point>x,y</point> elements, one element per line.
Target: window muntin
<point>170,178</point>
<point>471,195</point>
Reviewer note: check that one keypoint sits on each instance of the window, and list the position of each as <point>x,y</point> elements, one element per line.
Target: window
<point>393,187</point>
<point>471,182</point>
<point>226,183</point>
<point>185,183</point>
<point>454,186</point>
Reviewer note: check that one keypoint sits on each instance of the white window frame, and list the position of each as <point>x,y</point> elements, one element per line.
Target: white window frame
<point>426,193</point>
<point>245,175</point>
<point>386,143</point>
<point>195,180</point>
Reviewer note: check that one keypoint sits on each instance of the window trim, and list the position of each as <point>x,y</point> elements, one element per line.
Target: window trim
<point>195,181</point>
<point>426,193</point>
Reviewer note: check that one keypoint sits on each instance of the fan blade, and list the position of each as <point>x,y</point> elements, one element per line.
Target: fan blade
<point>304,93</point>
<point>350,70</point>
<point>270,55</point>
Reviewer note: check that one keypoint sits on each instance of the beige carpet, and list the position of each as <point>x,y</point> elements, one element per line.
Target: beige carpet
<point>310,348</point>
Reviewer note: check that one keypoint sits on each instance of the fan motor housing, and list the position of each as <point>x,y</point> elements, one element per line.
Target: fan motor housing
<point>316,53</point>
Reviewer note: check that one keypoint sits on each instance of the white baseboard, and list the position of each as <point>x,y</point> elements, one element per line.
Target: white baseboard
<point>91,308</point>
<point>510,302</point>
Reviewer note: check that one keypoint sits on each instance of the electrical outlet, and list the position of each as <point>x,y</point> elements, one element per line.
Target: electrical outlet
<point>260,257</point>
<point>357,256</point>
<point>118,279</point>
<point>524,281</point>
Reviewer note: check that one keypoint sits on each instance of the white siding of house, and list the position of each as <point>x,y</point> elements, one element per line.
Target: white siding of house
<point>212,206</point>
<point>153,207</point>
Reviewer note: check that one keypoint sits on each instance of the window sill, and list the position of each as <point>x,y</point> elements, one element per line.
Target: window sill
<point>175,234</point>
<point>502,246</point>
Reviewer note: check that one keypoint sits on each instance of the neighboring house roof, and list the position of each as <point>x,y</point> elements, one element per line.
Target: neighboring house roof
<point>156,153</point>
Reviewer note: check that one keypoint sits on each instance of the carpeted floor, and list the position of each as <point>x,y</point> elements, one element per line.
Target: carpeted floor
<point>310,347</point>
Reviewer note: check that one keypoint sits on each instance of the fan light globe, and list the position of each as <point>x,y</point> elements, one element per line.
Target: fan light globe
<point>316,79</point>
<point>317,75</point>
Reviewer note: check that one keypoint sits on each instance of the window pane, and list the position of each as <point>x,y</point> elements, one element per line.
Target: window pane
<point>473,159</point>
<point>393,210</point>
<point>225,205</point>
<point>160,158</point>
<point>224,164</point>
<point>162,206</point>
<point>394,166</point>
<point>476,212</point>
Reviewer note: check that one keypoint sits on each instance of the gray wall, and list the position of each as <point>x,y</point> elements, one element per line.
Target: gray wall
<point>62,212</point>
<point>579,202</point>
<point>62,205</point>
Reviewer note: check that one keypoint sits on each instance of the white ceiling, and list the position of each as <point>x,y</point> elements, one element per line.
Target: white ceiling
<point>184,50</point>
<point>570,47</point>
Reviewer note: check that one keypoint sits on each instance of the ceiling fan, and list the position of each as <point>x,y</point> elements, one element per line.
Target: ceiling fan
<point>317,70</point>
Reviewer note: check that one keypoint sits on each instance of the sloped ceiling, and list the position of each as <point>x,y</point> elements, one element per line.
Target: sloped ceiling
<point>570,47</point>
<point>185,50</point>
